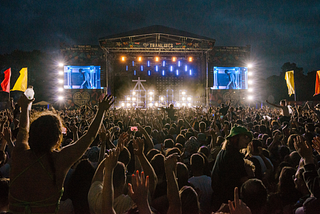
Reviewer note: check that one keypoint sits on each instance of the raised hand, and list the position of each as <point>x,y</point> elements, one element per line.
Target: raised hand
<point>7,134</point>
<point>316,144</point>
<point>111,159</point>
<point>123,140</point>
<point>237,206</point>
<point>138,188</point>
<point>73,128</point>
<point>106,102</point>
<point>24,102</point>
<point>138,146</point>
<point>171,162</point>
<point>302,147</point>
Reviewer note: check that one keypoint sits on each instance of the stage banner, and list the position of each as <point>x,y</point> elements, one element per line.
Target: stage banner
<point>317,86</point>
<point>80,97</point>
<point>22,81</point>
<point>290,82</point>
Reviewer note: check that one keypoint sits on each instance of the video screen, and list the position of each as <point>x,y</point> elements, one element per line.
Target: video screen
<point>230,78</point>
<point>82,77</point>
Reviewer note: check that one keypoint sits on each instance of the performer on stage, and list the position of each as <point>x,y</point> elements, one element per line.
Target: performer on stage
<point>232,80</point>
<point>86,79</point>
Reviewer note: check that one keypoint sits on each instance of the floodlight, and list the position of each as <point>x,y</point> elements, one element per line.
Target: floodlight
<point>161,98</point>
<point>189,99</point>
<point>250,97</point>
<point>60,89</point>
<point>174,59</point>
<point>189,104</point>
<point>250,73</point>
<point>133,99</point>
<point>178,104</point>
<point>60,64</point>
<point>183,98</point>
<point>183,93</point>
<point>122,104</point>
<point>123,59</point>
<point>60,98</point>
<point>190,59</point>
<point>128,98</point>
<point>139,58</point>
<point>128,105</point>
<point>156,104</point>
<point>150,98</point>
<point>183,104</point>
<point>133,93</point>
<point>150,104</point>
<point>60,73</point>
<point>157,59</point>
<point>250,82</point>
<point>250,89</point>
<point>60,80</point>
<point>150,93</point>
<point>250,65</point>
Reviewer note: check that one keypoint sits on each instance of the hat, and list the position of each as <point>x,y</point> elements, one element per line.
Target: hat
<point>236,130</point>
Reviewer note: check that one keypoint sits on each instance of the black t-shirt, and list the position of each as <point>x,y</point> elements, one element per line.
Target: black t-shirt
<point>224,110</point>
<point>226,174</point>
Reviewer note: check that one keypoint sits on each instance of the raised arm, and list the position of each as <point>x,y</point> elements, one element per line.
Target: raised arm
<point>23,134</point>
<point>149,142</point>
<point>277,106</point>
<point>138,145</point>
<point>172,185</point>
<point>71,153</point>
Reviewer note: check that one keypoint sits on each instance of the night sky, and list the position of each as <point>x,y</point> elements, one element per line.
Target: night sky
<point>278,31</point>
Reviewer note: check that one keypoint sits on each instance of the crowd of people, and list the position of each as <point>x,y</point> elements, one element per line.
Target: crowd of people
<point>201,160</point>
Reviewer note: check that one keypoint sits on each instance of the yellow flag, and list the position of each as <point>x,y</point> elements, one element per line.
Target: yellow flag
<point>290,82</point>
<point>22,81</point>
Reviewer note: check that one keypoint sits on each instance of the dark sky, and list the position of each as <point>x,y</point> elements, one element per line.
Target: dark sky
<point>278,31</point>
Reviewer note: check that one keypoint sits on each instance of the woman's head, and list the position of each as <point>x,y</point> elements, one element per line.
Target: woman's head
<point>189,200</point>
<point>45,133</point>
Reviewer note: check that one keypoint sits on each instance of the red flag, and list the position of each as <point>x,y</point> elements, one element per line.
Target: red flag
<point>317,89</point>
<point>5,84</point>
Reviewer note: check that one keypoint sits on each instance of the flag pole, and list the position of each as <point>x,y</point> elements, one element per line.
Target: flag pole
<point>294,85</point>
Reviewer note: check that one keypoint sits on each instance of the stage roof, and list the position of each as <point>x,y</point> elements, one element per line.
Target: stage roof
<point>156,38</point>
<point>156,29</point>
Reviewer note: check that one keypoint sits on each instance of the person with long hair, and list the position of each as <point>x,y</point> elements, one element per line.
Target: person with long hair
<point>229,169</point>
<point>39,166</point>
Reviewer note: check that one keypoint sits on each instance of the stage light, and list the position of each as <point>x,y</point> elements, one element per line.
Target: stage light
<point>60,98</point>
<point>122,104</point>
<point>132,63</point>
<point>127,68</point>
<point>183,98</point>
<point>134,72</point>
<point>189,99</point>
<point>163,63</point>
<point>250,82</point>
<point>156,104</point>
<point>161,98</point>
<point>133,99</point>
<point>133,93</point>
<point>250,73</point>
<point>148,63</point>
<point>189,104</point>
<point>60,73</point>
<point>60,64</point>
<point>128,105</point>
<point>60,81</point>
<point>177,72</point>
<point>190,72</point>
<point>183,92</point>
<point>157,68</point>
<point>139,58</point>
<point>123,59</point>
<point>190,59</point>
<point>128,98</point>
<point>183,104</point>
<point>186,68</point>
<point>141,67</point>
<point>150,93</point>
<point>157,59</point>
<point>179,63</point>
<point>250,89</point>
<point>150,104</point>
<point>171,68</point>
<point>178,104</point>
<point>250,65</point>
<point>163,72</point>
<point>250,97</point>
<point>174,59</point>
<point>149,72</point>
<point>150,98</point>
<point>60,89</point>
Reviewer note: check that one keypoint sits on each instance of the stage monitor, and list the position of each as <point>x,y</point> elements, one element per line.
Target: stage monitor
<point>230,78</point>
<point>82,77</point>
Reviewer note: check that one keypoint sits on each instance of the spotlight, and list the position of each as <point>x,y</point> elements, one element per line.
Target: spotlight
<point>150,98</point>
<point>250,89</point>
<point>150,104</point>
<point>123,59</point>
<point>183,93</point>
<point>133,93</point>
<point>178,104</point>
<point>250,65</point>
<point>60,73</point>
<point>60,89</point>
<point>156,104</point>
<point>157,59</point>
<point>189,104</point>
<point>128,105</point>
<point>183,98</point>
<point>183,104</point>
<point>60,64</point>
<point>128,98</point>
<point>250,73</point>
<point>133,99</point>
<point>150,93</point>
<point>250,82</point>
<point>174,59</point>
<point>122,104</point>
<point>139,58</point>
<point>250,97</point>
<point>189,99</point>
<point>190,59</point>
<point>161,98</point>
<point>60,98</point>
<point>60,81</point>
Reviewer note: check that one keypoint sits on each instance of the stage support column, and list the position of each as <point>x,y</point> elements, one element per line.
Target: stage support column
<point>207,79</point>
